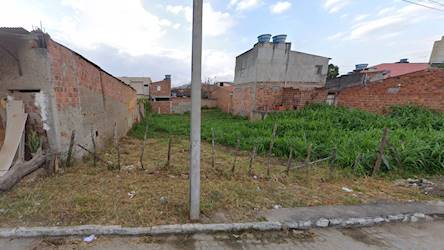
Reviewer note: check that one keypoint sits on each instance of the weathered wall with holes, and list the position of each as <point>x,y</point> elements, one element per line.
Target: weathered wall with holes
<point>63,91</point>
<point>25,75</point>
<point>424,88</point>
<point>88,99</point>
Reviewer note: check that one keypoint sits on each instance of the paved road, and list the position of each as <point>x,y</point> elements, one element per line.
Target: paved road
<point>425,235</point>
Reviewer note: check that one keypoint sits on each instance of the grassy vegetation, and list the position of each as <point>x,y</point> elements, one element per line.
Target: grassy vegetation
<point>85,194</point>
<point>416,135</point>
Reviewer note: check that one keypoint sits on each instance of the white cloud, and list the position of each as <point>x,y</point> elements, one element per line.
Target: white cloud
<point>333,6</point>
<point>215,23</point>
<point>361,17</point>
<point>280,7</point>
<point>241,5</point>
<point>125,26</point>
<point>388,23</point>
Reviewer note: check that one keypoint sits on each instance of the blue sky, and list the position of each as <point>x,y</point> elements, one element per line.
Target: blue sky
<point>153,37</point>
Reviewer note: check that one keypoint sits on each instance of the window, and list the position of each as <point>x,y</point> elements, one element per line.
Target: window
<point>158,88</point>
<point>319,69</point>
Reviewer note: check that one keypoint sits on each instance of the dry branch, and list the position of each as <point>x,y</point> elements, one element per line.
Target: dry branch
<point>71,146</point>
<point>20,170</point>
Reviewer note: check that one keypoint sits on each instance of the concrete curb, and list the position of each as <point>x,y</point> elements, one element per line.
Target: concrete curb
<point>25,232</point>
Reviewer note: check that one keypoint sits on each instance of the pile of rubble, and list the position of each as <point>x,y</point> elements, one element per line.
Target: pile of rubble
<point>424,185</point>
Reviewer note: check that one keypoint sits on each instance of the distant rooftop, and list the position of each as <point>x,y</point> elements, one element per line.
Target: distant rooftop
<point>17,30</point>
<point>398,69</point>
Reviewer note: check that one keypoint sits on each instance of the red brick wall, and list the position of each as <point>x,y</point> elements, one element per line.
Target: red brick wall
<point>424,88</point>
<point>269,97</point>
<point>223,96</point>
<point>299,98</point>
<point>161,107</point>
<point>68,72</point>
<point>165,88</point>
<point>88,98</point>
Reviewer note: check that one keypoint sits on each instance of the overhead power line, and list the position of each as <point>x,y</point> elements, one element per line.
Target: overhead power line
<point>436,2</point>
<point>423,5</point>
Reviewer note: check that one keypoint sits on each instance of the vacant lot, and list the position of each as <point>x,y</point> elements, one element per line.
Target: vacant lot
<point>85,194</point>
<point>416,135</point>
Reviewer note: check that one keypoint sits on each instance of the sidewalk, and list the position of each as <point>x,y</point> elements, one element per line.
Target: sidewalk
<point>277,220</point>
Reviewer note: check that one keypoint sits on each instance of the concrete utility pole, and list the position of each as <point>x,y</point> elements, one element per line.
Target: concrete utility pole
<point>196,85</point>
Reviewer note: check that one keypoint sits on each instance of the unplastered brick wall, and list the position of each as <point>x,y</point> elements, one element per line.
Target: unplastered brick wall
<point>161,88</point>
<point>161,107</point>
<point>88,100</point>
<point>424,88</point>
<point>299,98</point>
<point>224,98</point>
<point>265,97</point>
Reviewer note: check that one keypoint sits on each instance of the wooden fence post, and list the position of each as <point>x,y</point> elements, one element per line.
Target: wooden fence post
<point>384,141</point>
<point>142,148</point>
<point>213,149</point>
<point>236,154</point>
<point>94,148</point>
<point>71,146</point>
<point>116,145</point>
<point>307,160</point>
<point>289,163</point>
<point>331,163</point>
<point>253,155</point>
<point>270,152</point>
<point>169,152</point>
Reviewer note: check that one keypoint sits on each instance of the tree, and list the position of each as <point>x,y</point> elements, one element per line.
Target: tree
<point>333,71</point>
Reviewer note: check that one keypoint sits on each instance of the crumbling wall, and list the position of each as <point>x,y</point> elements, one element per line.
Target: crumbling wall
<point>424,88</point>
<point>88,100</point>
<point>24,75</point>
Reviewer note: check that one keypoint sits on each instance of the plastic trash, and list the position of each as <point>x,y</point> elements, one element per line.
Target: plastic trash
<point>348,190</point>
<point>90,238</point>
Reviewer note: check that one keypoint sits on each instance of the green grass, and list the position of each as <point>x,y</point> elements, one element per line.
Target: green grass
<point>416,135</point>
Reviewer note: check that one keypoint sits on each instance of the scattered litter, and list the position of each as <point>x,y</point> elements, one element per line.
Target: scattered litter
<point>129,168</point>
<point>3,210</point>
<point>255,177</point>
<point>90,238</point>
<point>348,190</point>
<point>236,236</point>
<point>131,194</point>
<point>277,206</point>
<point>163,200</point>
<point>258,189</point>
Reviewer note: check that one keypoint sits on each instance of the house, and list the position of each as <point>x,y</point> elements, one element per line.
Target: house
<point>423,88</point>
<point>265,72</point>
<point>61,91</point>
<point>160,95</point>
<point>140,84</point>
<point>437,56</point>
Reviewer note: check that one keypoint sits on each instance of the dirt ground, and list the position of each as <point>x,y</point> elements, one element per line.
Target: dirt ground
<point>85,194</point>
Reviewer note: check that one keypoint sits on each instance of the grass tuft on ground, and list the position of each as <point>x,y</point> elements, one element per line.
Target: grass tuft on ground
<point>416,135</point>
